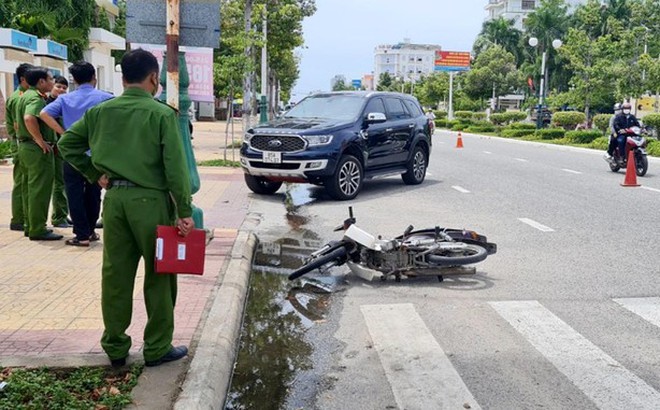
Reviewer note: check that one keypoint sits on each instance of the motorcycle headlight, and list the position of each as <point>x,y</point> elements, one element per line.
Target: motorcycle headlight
<point>247,137</point>
<point>313,140</point>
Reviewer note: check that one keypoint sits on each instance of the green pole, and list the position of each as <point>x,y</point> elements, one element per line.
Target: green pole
<point>263,109</point>
<point>184,128</point>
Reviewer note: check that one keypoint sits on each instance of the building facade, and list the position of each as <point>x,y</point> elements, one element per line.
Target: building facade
<point>517,10</point>
<point>404,60</point>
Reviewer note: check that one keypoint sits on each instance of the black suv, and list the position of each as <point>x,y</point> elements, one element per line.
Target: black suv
<point>338,140</point>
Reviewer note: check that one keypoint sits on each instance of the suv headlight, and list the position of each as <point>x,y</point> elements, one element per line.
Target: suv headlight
<point>314,140</point>
<point>247,137</point>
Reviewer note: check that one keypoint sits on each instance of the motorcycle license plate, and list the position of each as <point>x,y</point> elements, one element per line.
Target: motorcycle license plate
<point>272,157</point>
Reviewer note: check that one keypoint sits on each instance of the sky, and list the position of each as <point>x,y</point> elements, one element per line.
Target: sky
<point>341,36</point>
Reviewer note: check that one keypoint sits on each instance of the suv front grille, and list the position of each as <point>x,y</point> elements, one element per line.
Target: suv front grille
<point>278,143</point>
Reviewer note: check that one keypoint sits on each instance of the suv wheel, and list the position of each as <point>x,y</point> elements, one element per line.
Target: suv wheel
<point>416,167</point>
<point>346,182</point>
<point>260,185</point>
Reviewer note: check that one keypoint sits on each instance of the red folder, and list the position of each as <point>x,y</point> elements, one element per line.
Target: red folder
<point>178,254</point>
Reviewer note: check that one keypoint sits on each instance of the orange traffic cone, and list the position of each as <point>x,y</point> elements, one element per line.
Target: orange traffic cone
<point>631,173</point>
<point>459,141</point>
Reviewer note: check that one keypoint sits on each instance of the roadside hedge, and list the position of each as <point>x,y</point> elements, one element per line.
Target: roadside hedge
<point>522,126</point>
<point>600,143</point>
<point>653,147</point>
<point>582,136</point>
<point>478,116</point>
<point>463,115</point>
<point>509,133</point>
<point>653,120</point>
<point>480,128</point>
<point>568,119</point>
<point>440,114</point>
<point>602,122</point>
<point>501,118</point>
<point>550,133</point>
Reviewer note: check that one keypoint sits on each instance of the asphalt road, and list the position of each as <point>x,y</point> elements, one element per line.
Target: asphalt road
<point>565,315</point>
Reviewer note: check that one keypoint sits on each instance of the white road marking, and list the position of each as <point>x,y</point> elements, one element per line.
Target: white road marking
<point>605,381</point>
<point>460,189</point>
<point>651,189</point>
<point>439,142</point>
<point>571,171</point>
<point>487,152</point>
<point>522,160</point>
<point>428,174</point>
<point>536,225</point>
<point>647,308</point>
<point>420,374</point>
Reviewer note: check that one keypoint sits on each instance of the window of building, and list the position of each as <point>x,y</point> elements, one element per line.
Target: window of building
<point>528,4</point>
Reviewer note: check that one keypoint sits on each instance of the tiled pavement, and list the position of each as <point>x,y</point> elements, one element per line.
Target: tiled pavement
<point>50,292</point>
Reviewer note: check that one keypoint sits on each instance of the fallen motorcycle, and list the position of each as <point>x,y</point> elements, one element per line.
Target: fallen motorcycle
<point>436,251</point>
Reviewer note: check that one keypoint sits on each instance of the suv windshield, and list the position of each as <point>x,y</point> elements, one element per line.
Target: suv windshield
<point>334,106</point>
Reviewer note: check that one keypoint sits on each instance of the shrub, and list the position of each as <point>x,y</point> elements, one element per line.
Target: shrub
<point>478,116</point>
<point>459,127</point>
<point>509,133</point>
<point>602,122</point>
<point>440,114</point>
<point>600,143</point>
<point>498,118</point>
<point>582,137</point>
<point>550,133</point>
<point>522,126</point>
<point>516,116</point>
<point>653,148</point>
<point>463,115</point>
<point>5,149</point>
<point>653,120</point>
<point>568,119</point>
<point>450,123</point>
<point>441,123</point>
<point>480,128</point>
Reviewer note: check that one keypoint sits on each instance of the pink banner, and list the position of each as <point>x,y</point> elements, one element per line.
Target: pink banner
<point>200,69</point>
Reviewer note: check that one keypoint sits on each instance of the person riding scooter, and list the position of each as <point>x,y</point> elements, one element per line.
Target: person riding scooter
<point>622,122</point>
<point>612,144</point>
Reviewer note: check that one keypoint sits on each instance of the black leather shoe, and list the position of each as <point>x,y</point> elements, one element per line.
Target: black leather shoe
<point>48,236</point>
<point>27,234</point>
<point>118,362</point>
<point>175,353</point>
<point>16,227</point>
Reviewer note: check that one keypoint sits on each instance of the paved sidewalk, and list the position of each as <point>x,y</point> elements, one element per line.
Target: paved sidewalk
<point>50,292</point>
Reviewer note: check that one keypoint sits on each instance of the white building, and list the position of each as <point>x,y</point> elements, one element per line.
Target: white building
<point>404,60</point>
<point>517,10</point>
<point>101,44</point>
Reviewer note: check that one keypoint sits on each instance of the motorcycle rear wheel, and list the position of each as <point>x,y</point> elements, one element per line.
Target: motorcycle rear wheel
<point>469,255</point>
<point>337,255</point>
<point>614,167</point>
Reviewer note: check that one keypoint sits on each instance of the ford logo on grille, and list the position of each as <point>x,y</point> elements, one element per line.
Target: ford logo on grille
<point>275,143</point>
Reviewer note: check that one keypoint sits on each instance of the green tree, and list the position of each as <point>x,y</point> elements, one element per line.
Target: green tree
<point>432,89</point>
<point>499,31</point>
<point>384,82</point>
<point>494,71</point>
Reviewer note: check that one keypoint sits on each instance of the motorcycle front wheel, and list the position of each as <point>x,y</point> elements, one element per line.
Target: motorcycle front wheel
<point>468,255</point>
<point>338,256</point>
<point>641,164</point>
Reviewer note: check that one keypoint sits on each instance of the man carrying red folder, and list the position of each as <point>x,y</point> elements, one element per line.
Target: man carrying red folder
<point>137,155</point>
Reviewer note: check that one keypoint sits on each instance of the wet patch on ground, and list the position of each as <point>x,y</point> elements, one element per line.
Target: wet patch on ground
<point>275,350</point>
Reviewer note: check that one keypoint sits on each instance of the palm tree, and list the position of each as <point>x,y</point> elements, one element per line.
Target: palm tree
<point>502,32</point>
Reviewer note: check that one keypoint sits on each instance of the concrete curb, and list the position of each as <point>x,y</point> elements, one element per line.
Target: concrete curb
<point>209,374</point>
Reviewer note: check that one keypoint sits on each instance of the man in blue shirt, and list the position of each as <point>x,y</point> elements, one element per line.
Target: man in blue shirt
<point>84,196</point>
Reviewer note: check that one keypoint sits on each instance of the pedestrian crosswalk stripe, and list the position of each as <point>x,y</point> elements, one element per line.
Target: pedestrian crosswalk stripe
<point>647,308</point>
<point>606,382</point>
<point>419,372</point>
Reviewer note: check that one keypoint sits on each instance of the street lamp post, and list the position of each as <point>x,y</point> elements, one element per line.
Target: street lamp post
<point>556,43</point>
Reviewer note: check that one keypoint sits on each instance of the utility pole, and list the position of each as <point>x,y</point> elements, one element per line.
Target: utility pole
<point>450,111</point>
<point>247,79</point>
<point>263,104</point>
<point>172,42</point>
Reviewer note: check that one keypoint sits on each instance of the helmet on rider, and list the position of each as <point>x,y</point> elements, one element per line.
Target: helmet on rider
<point>626,108</point>
<point>617,108</point>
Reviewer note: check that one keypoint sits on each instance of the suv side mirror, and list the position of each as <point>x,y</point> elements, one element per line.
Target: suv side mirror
<point>375,118</point>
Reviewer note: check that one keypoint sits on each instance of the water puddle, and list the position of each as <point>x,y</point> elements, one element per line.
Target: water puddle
<point>274,351</point>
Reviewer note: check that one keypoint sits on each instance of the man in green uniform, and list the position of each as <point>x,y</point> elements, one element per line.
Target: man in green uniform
<point>35,154</point>
<point>137,155</point>
<point>17,216</point>
<point>59,201</point>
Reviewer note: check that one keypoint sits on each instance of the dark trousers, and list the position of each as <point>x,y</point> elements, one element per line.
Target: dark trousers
<point>84,202</point>
<point>621,140</point>
<point>612,146</point>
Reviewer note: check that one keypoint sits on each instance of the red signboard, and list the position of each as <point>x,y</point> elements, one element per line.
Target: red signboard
<point>452,60</point>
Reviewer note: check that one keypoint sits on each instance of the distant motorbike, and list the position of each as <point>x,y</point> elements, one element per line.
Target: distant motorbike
<point>436,251</point>
<point>634,142</point>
